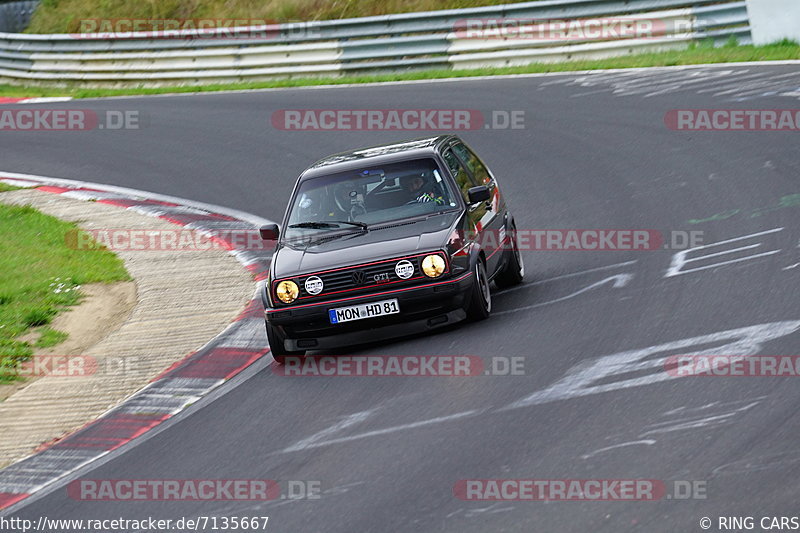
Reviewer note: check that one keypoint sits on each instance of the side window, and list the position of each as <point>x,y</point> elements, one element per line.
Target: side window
<point>457,170</point>
<point>474,164</point>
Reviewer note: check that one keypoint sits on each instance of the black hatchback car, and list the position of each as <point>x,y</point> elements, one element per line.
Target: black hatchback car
<point>387,241</point>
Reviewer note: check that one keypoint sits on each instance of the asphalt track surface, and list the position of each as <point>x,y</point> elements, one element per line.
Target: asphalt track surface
<point>388,451</point>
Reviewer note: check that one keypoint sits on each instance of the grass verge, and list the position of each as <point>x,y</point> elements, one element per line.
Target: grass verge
<point>42,276</point>
<point>50,337</point>
<point>696,54</point>
<point>64,16</point>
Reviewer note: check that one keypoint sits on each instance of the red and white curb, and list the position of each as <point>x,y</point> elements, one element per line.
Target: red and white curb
<point>40,100</point>
<point>241,344</point>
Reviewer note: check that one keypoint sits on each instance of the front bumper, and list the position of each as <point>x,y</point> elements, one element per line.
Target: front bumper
<point>422,308</point>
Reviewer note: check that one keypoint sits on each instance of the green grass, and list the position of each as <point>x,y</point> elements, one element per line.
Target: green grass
<point>42,276</point>
<point>50,337</point>
<point>697,54</point>
<point>4,187</point>
<point>64,16</point>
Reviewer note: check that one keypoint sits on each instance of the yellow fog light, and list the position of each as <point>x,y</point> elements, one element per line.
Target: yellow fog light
<point>433,266</point>
<point>287,291</point>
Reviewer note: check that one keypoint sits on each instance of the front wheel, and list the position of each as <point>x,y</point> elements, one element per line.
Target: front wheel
<point>480,302</point>
<point>514,270</point>
<point>277,348</point>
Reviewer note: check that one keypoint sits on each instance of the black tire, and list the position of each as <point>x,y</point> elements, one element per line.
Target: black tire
<point>514,270</point>
<point>276,347</point>
<point>480,301</point>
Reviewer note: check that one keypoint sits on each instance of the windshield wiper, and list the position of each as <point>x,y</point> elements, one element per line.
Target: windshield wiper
<point>330,224</point>
<point>324,237</point>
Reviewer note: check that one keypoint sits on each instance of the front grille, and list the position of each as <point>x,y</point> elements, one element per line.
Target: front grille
<point>360,279</point>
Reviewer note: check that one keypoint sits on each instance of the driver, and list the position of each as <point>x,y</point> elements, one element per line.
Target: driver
<point>421,189</point>
<point>348,200</point>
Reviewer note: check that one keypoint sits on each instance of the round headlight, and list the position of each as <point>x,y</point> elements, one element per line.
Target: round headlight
<point>433,266</point>
<point>287,291</point>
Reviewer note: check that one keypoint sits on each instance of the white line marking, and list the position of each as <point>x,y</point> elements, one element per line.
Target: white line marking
<point>413,425</point>
<point>715,265</point>
<point>351,420</point>
<point>684,409</point>
<point>648,442</point>
<point>470,513</point>
<point>729,81</point>
<point>751,87</point>
<point>691,423</point>
<point>694,423</point>
<point>679,259</point>
<point>580,380</point>
<point>645,70</point>
<point>619,281</point>
<point>594,376</point>
<point>565,276</point>
<point>785,460</point>
<point>682,85</point>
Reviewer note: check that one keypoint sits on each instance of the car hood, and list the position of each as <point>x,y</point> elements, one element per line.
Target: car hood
<point>355,248</point>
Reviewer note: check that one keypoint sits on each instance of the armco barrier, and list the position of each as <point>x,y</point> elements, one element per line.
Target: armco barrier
<point>369,44</point>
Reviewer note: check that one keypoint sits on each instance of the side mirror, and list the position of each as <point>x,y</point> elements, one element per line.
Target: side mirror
<point>270,232</point>
<point>478,194</point>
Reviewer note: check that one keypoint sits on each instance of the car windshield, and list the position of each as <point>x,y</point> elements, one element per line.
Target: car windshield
<point>355,200</point>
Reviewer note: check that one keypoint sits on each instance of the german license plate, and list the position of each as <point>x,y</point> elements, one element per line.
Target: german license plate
<point>362,311</point>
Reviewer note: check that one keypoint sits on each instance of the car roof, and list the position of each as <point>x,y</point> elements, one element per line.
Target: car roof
<point>376,155</point>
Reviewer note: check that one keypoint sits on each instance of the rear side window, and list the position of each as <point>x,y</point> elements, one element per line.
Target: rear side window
<point>457,170</point>
<point>479,171</point>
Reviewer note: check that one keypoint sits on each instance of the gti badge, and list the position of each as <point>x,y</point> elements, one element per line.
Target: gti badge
<point>314,285</point>
<point>404,269</point>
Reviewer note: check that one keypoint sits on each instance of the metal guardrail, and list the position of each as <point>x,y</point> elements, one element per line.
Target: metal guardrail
<point>370,44</point>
